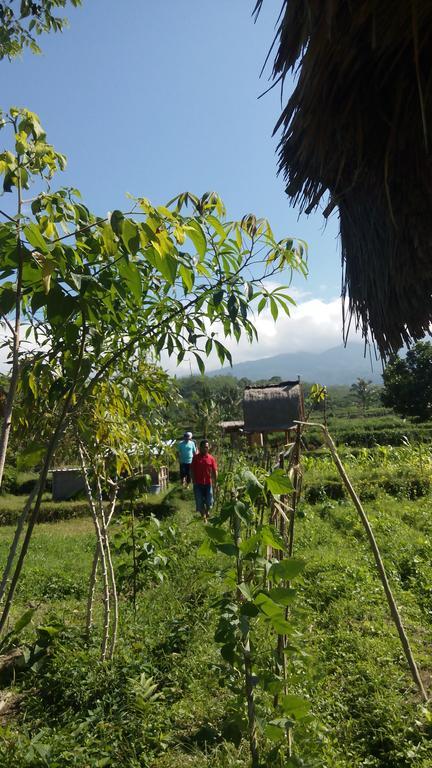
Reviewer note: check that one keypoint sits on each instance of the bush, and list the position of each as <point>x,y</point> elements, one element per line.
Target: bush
<point>331,489</point>
<point>50,511</point>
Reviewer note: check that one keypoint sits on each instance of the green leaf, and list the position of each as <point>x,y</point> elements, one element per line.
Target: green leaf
<point>228,652</point>
<point>278,483</point>
<point>24,620</point>
<point>271,538</point>
<point>233,306</point>
<point>196,233</point>
<point>217,226</point>
<point>35,237</point>
<point>200,362</point>
<point>274,309</point>
<point>227,549</point>
<point>7,298</point>
<point>268,606</point>
<point>245,590</point>
<point>218,535</point>
<point>274,732</point>
<point>117,217</point>
<point>283,595</point>
<point>261,304</point>
<point>207,548</point>
<point>187,277</point>
<point>295,706</point>
<point>249,544</point>
<point>253,485</point>
<point>109,240</point>
<point>280,625</point>
<point>32,384</point>
<point>286,569</point>
<point>131,236</point>
<point>130,273</point>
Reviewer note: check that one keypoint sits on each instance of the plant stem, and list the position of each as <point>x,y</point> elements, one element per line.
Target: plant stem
<point>91,593</point>
<point>111,571</point>
<point>17,535</point>
<point>100,544</point>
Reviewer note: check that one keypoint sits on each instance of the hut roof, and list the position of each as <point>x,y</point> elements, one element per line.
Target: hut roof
<point>357,134</point>
<point>272,408</point>
<point>231,426</point>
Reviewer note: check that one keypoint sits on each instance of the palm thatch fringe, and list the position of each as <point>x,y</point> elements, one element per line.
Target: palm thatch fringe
<point>357,134</point>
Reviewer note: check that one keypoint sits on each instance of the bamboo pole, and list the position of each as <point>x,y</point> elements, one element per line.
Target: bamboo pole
<point>378,559</point>
<point>247,661</point>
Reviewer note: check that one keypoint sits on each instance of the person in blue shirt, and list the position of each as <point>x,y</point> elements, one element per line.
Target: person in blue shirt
<point>186,451</point>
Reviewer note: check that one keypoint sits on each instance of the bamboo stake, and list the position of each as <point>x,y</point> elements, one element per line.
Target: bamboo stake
<point>247,663</point>
<point>253,741</point>
<point>378,560</point>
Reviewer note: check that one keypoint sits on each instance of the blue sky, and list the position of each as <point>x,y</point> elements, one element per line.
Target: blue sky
<point>154,98</point>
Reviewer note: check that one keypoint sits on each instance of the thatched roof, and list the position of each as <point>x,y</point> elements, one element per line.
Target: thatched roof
<point>231,426</point>
<point>273,408</point>
<point>357,134</point>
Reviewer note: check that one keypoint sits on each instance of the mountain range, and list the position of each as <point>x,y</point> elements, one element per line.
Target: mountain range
<point>338,365</point>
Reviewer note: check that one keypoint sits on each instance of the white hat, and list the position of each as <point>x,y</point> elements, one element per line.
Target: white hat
<point>188,435</point>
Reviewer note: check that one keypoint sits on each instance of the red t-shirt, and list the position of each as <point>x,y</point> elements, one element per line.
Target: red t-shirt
<point>202,466</point>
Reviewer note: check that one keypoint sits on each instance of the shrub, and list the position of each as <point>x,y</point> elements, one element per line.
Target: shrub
<point>331,489</point>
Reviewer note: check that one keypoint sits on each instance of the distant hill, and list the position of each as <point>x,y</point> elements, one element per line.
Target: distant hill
<point>339,365</point>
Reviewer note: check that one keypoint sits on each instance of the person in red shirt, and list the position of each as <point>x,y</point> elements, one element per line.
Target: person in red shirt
<point>204,476</point>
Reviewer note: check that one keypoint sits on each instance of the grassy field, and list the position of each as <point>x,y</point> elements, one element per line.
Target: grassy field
<point>77,712</point>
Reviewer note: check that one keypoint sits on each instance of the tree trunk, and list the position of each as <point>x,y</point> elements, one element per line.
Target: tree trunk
<point>91,593</point>
<point>105,522</point>
<point>52,445</point>
<point>10,398</point>
<point>100,544</point>
<point>17,536</point>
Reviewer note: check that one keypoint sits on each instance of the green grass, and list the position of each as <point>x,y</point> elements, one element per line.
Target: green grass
<point>78,712</point>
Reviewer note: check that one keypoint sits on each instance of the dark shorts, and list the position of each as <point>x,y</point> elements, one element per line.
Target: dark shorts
<point>185,472</point>
<point>203,497</point>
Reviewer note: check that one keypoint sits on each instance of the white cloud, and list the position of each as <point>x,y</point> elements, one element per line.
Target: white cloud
<point>314,326</point>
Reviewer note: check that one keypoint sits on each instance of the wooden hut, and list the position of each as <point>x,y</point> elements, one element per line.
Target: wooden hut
<point>357,135</point>
<point>273,408</point>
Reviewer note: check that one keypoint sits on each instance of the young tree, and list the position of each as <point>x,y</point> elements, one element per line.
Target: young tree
<point>364,392</point>
<point>174,278</point>
<point>113,433</point>
<point>408,383</point>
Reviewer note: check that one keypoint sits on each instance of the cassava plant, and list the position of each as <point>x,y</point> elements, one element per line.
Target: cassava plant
<point>113,435</point>
<point>22,21</point>
<point>253,608</point>
<point>172,278</point>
